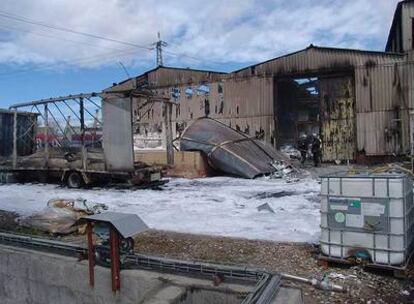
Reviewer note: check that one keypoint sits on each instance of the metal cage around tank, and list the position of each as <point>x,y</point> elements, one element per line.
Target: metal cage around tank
<point>367,213</point>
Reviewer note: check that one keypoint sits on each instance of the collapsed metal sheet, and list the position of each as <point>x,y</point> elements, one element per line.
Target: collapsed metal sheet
<point>230,151</point>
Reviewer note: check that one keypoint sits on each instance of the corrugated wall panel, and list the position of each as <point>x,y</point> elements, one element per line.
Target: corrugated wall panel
<point>376,136</point>
<point>407,15</point>
<point>378,88</point>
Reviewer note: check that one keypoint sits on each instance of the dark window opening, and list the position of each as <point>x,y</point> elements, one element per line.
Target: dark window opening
<point>206,107</point>
<point>220,88</point>
<point>298,109</point>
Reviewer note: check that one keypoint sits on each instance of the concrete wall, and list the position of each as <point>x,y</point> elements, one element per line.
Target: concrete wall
<point>32,277</point>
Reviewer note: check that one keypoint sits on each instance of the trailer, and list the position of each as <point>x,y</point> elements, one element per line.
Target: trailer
<point>79,140</point>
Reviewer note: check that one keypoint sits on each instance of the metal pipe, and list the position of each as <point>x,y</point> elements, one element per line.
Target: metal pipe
<point>15,139</point>
<point>56,99</point>
<point>86,110</point>
<point>91,255</point>
<point>70,108</point>
<point>320,284</point>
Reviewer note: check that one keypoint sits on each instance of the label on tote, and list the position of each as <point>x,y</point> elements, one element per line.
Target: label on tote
<point>372,209</point>
<point>354,220</point>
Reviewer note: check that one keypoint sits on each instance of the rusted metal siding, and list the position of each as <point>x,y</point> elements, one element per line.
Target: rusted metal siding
<point>338,118</point>
<point>383,103</point>
<point>382,85</point>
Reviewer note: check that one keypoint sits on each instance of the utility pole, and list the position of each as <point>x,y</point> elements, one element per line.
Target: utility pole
<point>158,46</point>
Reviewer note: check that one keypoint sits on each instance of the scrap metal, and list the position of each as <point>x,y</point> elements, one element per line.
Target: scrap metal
<point>231,151</point>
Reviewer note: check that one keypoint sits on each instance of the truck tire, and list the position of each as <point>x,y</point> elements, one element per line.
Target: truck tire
<point>74,180</point>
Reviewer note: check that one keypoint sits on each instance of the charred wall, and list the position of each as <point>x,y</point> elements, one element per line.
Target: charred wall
<point>377,110</point>
<point>244,104</point>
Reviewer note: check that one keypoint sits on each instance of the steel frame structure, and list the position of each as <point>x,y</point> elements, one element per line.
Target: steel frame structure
<point>49,116</point>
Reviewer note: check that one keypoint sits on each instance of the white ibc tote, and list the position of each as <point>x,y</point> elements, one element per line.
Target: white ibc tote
<point>369,215</point>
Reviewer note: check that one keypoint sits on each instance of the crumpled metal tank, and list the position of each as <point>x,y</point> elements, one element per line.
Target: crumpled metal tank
<point>229,150</point>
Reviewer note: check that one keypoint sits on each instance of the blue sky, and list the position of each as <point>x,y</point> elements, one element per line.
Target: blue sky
<point>40,62</point>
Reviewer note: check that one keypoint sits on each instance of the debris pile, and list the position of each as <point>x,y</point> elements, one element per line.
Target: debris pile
<point>60,216</point>
<point>291,152</point>
<point>233,152</point>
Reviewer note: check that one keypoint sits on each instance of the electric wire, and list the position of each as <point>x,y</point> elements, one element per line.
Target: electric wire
<point>23,19</point>
<point>84,60</point>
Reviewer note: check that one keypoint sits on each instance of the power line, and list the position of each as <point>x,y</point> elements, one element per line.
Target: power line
<point>158,45</point>
<point>89,59</point>
<point>124,69</point>
<point>68,30</point>
<point>54,37</point>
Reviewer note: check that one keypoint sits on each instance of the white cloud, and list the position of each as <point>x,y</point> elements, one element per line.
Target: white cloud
<point>241,31</point>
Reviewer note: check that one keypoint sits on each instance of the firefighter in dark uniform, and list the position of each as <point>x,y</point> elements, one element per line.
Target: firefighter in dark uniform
<point>316,150</point>
<point>303,145</point>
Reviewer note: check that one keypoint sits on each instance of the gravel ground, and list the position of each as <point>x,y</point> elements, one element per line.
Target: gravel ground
<point>293,258</point>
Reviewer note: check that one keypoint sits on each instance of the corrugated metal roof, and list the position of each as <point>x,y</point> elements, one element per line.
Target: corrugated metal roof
<point>167,68</point>
<point>316,57</point>
<point>128,225</point>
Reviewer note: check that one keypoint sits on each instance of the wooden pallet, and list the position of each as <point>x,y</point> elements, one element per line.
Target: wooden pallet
<point>400,272</point>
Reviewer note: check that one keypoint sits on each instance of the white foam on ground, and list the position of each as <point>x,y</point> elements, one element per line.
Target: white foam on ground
<point>220,206</point>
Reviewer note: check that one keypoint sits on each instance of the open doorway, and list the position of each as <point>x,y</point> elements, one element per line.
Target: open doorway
<point>323,105</point>
<point>298,109</point>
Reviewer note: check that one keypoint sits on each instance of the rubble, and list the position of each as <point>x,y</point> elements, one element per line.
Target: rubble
<point>265,207</point>
<point>290,151</point>
<point>60,216</point>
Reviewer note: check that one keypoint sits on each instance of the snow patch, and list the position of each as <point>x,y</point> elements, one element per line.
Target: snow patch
<point>220,206</point>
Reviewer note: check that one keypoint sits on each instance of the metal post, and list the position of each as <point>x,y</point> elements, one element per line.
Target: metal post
<point>46,116</point>
<point>115,261</point>
<point>82,126</point>
<point>168,132</point>
<point>91,255</point>
<point>82,119</point>
<point>15,139</point>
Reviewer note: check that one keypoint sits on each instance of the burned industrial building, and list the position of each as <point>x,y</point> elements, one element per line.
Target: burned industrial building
<point>357,101</point>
